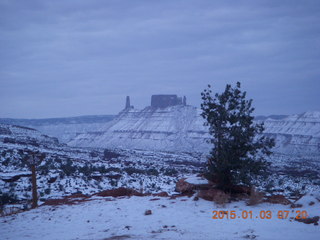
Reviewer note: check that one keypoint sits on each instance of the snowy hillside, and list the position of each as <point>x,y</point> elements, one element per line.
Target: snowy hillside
<point>25,136</point>
<point>175,128</point>
<point>296,134</point>
<point>62,128</point>
<point>66,170</point>
<point>180,128</point>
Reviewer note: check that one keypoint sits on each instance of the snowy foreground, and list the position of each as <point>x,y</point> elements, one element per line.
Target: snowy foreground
<point>109,218</point>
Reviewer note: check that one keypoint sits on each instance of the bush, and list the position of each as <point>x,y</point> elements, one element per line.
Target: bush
<point>86,170</point>
<point>108,155</point>
<point>6,198</point>
<point>152,171</point>
<point>113,169</point>
<point>102,169</point>
<point>132,170</point>
<point>68,168</point>
<point>170,172</point>
<point>6,162</point>
<point>47,191</point>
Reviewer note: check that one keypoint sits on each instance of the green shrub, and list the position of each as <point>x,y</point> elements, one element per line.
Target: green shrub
<point>170,172</point>
<point>152,171</point>
<point>132,170</point>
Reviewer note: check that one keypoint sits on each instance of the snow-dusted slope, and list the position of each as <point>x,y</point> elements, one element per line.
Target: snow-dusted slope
<point>24,136</point>
<point>62,128</point>
<point>295,134</point>
<point>176,128</point>
<point>180,128</point>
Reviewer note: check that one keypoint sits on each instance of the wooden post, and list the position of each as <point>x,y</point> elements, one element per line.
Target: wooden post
<point>34,186</point>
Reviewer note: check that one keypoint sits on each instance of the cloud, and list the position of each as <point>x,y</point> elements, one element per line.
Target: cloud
<point>71,56</point>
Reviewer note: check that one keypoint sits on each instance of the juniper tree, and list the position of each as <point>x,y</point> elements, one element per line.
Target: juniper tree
<point>239,150</point>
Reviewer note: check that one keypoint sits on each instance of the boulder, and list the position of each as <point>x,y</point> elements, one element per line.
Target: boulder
<point>161,194</point>
<point>278,199</point>
<point>312,220</point>
<point>188,185</point>
<point>184,187</point>
<point>119,192</point>
<point>210,194</point>
<point>148,212</point>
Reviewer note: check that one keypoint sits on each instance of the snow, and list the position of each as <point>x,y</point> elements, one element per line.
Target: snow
<point>181,218</point>
<point>309,199</point>
<point>180,128</point>
<point>196,180</point>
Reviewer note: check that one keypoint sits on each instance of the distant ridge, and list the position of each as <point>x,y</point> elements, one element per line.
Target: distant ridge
<point>180,128</point>
<point>276,117</point>
<point>63,128</point>
<point>64,120</point>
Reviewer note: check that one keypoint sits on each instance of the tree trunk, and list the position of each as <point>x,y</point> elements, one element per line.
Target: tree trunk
<point>34,187</point>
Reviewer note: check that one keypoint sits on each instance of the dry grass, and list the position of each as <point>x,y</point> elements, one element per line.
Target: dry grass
<point>256,197</point>
<point>221,198</point>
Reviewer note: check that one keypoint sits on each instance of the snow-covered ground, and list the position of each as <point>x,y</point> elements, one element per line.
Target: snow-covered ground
<point>181,218</point>
<point>67,170</point>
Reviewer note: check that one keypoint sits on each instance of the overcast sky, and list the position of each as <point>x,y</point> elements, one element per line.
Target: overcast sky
<point>71,58</point>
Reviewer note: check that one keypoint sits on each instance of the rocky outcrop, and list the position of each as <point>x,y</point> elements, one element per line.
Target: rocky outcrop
<point>19,135</point>
<point>210,194</point>
<point>165,100</point>
<point>311,220</point>
<point>119,192</point>
<point>184,187</point>
<point>127,103</point>
<point>278,199</point>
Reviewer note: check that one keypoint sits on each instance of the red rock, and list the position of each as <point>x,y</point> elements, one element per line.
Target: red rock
<point>209,194</point>
<point>313,220</point>
<point>278,199</point>
<point>182,186</point>
<point>148,212</point>
<point>119,192</point>
<point>154,199</point>
<point>161,194</point>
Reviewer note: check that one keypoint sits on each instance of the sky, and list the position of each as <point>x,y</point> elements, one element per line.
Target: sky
<point>72,58</point>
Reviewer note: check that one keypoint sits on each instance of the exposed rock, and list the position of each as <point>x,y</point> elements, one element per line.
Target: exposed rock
<point>163,101</point>
<point>295,205</point>
<point>184,187</point>
<point>313,220</point>
<point>148,212</point>
<point>119,192</point>
<point>127,102</point>
<point>161,194</point>
<point>210,194</point>
<point>188,185</point>
<point>278,199</point>
<point>69,200</point>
